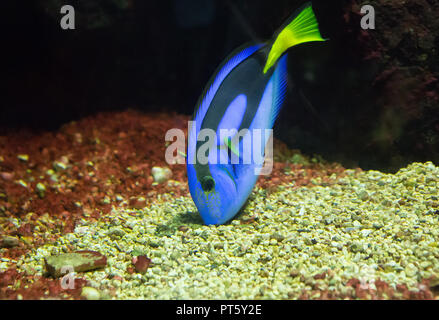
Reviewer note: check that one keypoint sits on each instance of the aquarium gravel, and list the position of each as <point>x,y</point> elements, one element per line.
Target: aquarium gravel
<point>369,227</point>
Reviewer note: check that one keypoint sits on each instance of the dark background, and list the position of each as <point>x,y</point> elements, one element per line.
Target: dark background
<point>364,98</point>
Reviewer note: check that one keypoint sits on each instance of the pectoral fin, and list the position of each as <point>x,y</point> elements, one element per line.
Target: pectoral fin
<point>230,146</point>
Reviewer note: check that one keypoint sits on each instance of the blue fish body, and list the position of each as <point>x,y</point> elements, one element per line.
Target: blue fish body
<point>245,94</point>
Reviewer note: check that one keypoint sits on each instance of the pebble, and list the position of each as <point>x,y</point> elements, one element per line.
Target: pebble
<point>23,157</point>
<point>9,242</point>
<point>161,175</point>
<point>90,293</point>
<point>80,261</point>
<point>141,263</point>
<point>40,189</point>
<point>7,176</point>
<point>59,166</point>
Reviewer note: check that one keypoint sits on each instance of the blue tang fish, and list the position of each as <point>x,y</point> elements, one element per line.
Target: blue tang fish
<point>245,93</point>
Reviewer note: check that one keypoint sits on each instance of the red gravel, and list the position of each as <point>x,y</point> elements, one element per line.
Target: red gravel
<point>97,152</point>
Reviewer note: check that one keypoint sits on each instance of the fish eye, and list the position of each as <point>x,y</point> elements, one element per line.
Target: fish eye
<point>207,183</point>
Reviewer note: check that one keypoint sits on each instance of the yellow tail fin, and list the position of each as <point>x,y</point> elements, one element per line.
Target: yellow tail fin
<point>303,28</point>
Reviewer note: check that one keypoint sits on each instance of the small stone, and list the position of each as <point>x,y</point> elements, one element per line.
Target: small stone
<point>141,263</point>
<point>218,245</point>
<point>161,175</point>
<point>23,157</point>
<point>80,261</point>
<point>298,159</point>
<point>355,247</point>
<point>320,276</point>
<point>409,183</point>
<point>90,293</point>
<point>410,270</point>
<point>294,273</point>
<point>363,195</point>
<point>328,221</point>
<point>58,166</point>
<point>40,189</point>
<point>316,253</point>
<point>7,176</point>
<point>248,220</point>
<point>22,183</point>
<point>137,203</point>
<point>377,225</point>
<point>278,237</point>
<point>366,232</point>
<point>356,224</point>
<point>8,242</point>
<point>78,137</point>
<point>82,230</point>
<point>115,233</point>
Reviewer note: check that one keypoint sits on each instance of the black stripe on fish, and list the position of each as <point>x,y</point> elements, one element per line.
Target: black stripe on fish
<point>247,78</point>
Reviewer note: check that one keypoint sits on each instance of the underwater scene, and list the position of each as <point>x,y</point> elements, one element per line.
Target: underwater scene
<point>220,150</point>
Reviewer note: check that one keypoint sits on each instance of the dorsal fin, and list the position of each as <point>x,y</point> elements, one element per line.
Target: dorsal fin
<point>234,59</point>
<point>215,81</point>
